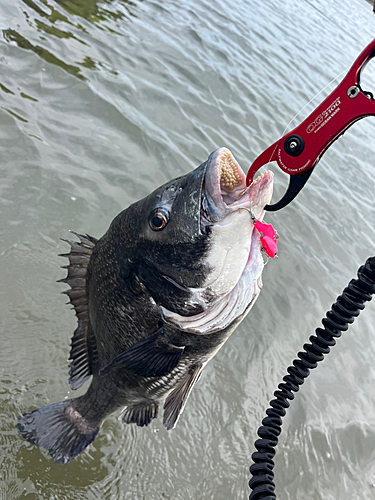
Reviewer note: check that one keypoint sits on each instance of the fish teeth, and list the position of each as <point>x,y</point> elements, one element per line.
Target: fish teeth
<point>258,178</point>
<point>229,176</point>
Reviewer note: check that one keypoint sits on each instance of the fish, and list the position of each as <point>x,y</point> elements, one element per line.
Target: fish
<point>156,297</point>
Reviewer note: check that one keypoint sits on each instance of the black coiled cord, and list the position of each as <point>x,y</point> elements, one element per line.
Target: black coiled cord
<point>346,308</point>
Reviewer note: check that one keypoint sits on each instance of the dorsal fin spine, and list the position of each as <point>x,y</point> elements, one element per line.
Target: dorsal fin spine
<point>80,351</point>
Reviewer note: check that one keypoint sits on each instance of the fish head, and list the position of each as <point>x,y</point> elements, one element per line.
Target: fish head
<point>194,247</point>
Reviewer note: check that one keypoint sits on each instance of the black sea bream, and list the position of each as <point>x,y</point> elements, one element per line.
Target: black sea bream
<point>156,297</point>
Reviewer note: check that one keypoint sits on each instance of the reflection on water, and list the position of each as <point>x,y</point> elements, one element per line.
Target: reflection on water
<point>23,43</point>
<point>52,22</point>
<point>101,102</point>
<point>90,10</point>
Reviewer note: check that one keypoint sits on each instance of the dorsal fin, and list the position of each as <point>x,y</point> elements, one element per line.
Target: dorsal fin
<point>83,345</point>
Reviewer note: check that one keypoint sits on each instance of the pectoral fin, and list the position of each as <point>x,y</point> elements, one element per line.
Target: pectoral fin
<point>175,402</point>
<point>152,356</point>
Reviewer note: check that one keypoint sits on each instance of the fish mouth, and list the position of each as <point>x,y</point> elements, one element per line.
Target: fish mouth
<point>225,190</point>
<point>227,207</point>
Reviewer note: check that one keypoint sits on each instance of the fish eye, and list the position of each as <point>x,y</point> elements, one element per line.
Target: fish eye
<point>158,219</point>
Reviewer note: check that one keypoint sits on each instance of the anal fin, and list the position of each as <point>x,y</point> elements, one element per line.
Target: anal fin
<point>140,414</point>
<point>175,402</point>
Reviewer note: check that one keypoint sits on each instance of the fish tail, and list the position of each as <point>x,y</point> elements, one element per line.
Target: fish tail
<point>59,428</point>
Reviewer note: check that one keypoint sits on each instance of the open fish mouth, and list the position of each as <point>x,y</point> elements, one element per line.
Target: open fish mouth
<point>225,189</point>
<point>234,258</point>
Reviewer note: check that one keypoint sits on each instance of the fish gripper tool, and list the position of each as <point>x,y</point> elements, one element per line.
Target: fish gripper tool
<point>298,152</point>
<point>342,313</point>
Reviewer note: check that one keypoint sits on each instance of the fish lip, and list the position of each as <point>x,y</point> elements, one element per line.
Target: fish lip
<point>218,201</point>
